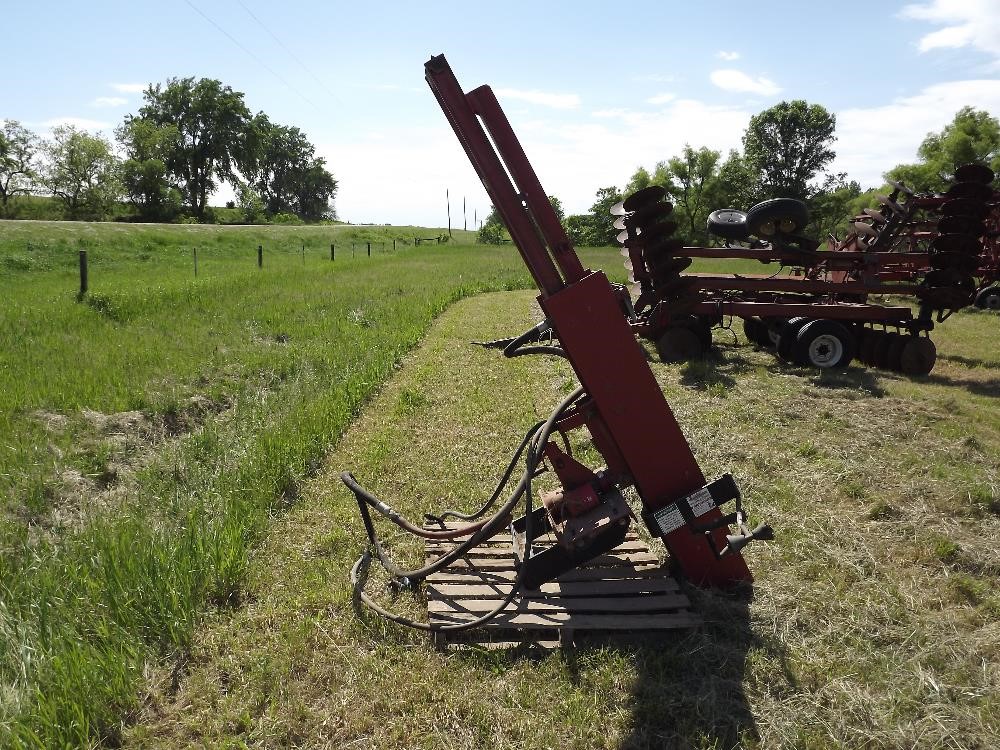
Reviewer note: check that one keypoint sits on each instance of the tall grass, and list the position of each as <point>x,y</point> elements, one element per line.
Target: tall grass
<point>104,574</point>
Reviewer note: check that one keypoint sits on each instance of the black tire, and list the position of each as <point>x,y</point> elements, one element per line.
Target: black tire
<point>679,343</point>
<point>826,344</point>
<point>787,336</point>
<point>989,298</point>
<point>777,216</point>
<point>728,223</point>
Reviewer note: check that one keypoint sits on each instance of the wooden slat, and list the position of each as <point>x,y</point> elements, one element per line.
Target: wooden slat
<point>479,590</point>
<point>596,604</point>
<point>625,621</point>
<point>624,591</point>
<point>637,560</point>
<point>499,550</point>
<point>474,575</point>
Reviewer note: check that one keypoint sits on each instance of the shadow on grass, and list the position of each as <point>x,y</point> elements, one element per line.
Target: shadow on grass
<point>716,369</point>
<point>968,361</point>
<point>689,690</point>
<point>854,378</point>
<point>989,388</point>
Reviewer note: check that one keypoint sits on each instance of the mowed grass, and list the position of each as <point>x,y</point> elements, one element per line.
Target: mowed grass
<point>149,432</point>
<point>874,616</point>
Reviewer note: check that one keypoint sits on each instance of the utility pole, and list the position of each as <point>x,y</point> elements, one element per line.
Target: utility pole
<point>447,199</point>
<point>465,223</point>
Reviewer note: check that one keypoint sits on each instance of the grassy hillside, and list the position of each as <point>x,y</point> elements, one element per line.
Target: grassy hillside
<point>155,433</point>
<point>151,429</point>
<point>873,621</point>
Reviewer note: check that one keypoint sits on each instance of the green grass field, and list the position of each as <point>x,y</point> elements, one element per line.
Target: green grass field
<point>175,542</point>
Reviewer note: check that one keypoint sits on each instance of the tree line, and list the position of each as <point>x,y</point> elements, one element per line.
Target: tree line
<point>786,153</point>
<point>189,136</point>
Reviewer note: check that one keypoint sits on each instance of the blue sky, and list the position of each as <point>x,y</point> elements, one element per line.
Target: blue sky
<point>594,90</point>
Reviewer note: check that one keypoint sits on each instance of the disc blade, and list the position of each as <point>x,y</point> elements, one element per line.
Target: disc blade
<point>976,191</point>
<point>644,197</point>
<point>957,243</point>
<point>619,223</point>
<point>974,173</point>
<point>618,209</point>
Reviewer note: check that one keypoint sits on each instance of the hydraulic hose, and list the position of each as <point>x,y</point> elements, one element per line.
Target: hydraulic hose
<point>536,440</point>
<point>499,488</point>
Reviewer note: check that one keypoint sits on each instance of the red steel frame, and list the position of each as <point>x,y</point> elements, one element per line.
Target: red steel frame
<point>626,413</point>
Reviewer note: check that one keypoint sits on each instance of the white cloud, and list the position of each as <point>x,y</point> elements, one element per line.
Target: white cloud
<point>736,80</point>
<point>661,98</point>
<point>727,56</point>
<point>544,98</point>
<point>81,123</point>
<point>872,140</point>
<point>128,88</point>
<point>974,23</point>
<point>655,77</point>
<point>109,101</point>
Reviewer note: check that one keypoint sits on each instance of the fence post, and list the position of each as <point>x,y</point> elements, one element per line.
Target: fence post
<point>194,252</point>
<point>332,255</point>
<point>369,249</point>
<point>83,273</point>
<point>394,245</point>
<point>303,253</point>
<point>260,256</point>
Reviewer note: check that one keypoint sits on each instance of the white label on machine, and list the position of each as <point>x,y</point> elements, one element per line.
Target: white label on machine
<point>669,518</point>
<point>701,502</point>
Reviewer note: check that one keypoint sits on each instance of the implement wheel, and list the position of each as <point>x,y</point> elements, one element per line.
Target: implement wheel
<point>918,356</point>
<point>826,344</point>
<point>787,336</point>
<point>755,330</point>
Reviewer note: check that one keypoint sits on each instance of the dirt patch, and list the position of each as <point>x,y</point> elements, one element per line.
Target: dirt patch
<point>99,453</point>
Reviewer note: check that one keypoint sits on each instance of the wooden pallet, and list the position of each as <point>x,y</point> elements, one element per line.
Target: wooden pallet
<point>622,593</point>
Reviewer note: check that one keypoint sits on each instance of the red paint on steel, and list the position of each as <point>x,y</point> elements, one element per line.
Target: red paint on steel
<point>486,105</point>
<point>491,171</point>
<point>792,284</point>
<point>630,410</point>
<point>612,366</point>
<point>839,311</point>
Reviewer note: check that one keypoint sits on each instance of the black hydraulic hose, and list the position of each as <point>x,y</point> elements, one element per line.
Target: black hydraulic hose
<point>500,485</point>
<point>490,527</point>
<point>358,584</point>
<point>362,494</point>
<point>532,334</point>
<point>538,439</point>
<point>525,350</point>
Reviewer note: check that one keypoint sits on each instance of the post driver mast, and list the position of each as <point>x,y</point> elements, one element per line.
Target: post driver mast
<point>620,403</point>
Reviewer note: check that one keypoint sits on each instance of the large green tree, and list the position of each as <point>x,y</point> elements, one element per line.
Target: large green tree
<point>81,171</point>
<point>973,136</point>
<point>211,121</point>
<point>787,146</point>
<point>280,165</point>
<point>691,181</point>
<point>144,175</point>
<point>18,166</point>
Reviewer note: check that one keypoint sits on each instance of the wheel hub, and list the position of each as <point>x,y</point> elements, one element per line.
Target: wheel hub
<point>825,350</point>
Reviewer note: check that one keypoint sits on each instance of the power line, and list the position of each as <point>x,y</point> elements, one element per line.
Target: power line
<point>260,62</point>
<point>285,47</point>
